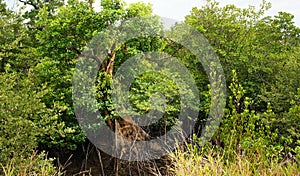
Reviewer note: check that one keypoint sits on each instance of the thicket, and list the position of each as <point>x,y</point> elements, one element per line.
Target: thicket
<point>260,56</point>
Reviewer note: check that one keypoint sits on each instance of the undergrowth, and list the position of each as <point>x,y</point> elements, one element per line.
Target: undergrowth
<point>213,161</point>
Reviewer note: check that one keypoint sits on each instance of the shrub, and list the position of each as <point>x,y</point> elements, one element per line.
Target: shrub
<point>36,164</point>
<point>24,121</point>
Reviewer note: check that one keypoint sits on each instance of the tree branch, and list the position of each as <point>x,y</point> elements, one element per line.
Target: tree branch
<point>30,3</point>
<point>95,58</point>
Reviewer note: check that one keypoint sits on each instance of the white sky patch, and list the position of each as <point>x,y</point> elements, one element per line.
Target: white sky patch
<point>177,9</point>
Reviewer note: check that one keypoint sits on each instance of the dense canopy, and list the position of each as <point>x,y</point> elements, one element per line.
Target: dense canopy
<point>43,42</point>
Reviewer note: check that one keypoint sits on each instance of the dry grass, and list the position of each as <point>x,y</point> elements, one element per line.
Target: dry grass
<point>193,164</point>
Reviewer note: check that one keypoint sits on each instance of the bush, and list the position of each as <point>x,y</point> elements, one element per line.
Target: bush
<point>24,122</point>
<point>253,143</point>
<point>36,164</point>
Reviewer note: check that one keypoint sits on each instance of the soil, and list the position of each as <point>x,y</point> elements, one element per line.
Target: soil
<point>87,160</point>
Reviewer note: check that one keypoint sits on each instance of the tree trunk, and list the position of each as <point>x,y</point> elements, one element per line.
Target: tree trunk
<point>91,4</point>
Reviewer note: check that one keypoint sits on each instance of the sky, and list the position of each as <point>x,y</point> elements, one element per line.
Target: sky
<point>177,9</point>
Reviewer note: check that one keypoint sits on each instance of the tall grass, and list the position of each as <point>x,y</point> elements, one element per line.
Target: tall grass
<point>36,165</point>
<point>214,161</point>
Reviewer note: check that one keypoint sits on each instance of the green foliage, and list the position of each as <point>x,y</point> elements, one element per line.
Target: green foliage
<point>36,164</point>
<point>159,93</point>
<point>254,143</point>
<point>264,51</point>
<point>246,132</point>
<point>256,47</point>
<point>139,9</point>
<point>15,47</point>
<point>288,127</point>
<point>39,49</point>
<point>285,87</point>
<point>32,8</point>
<point>24,120</point>
<point>70,30</point>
